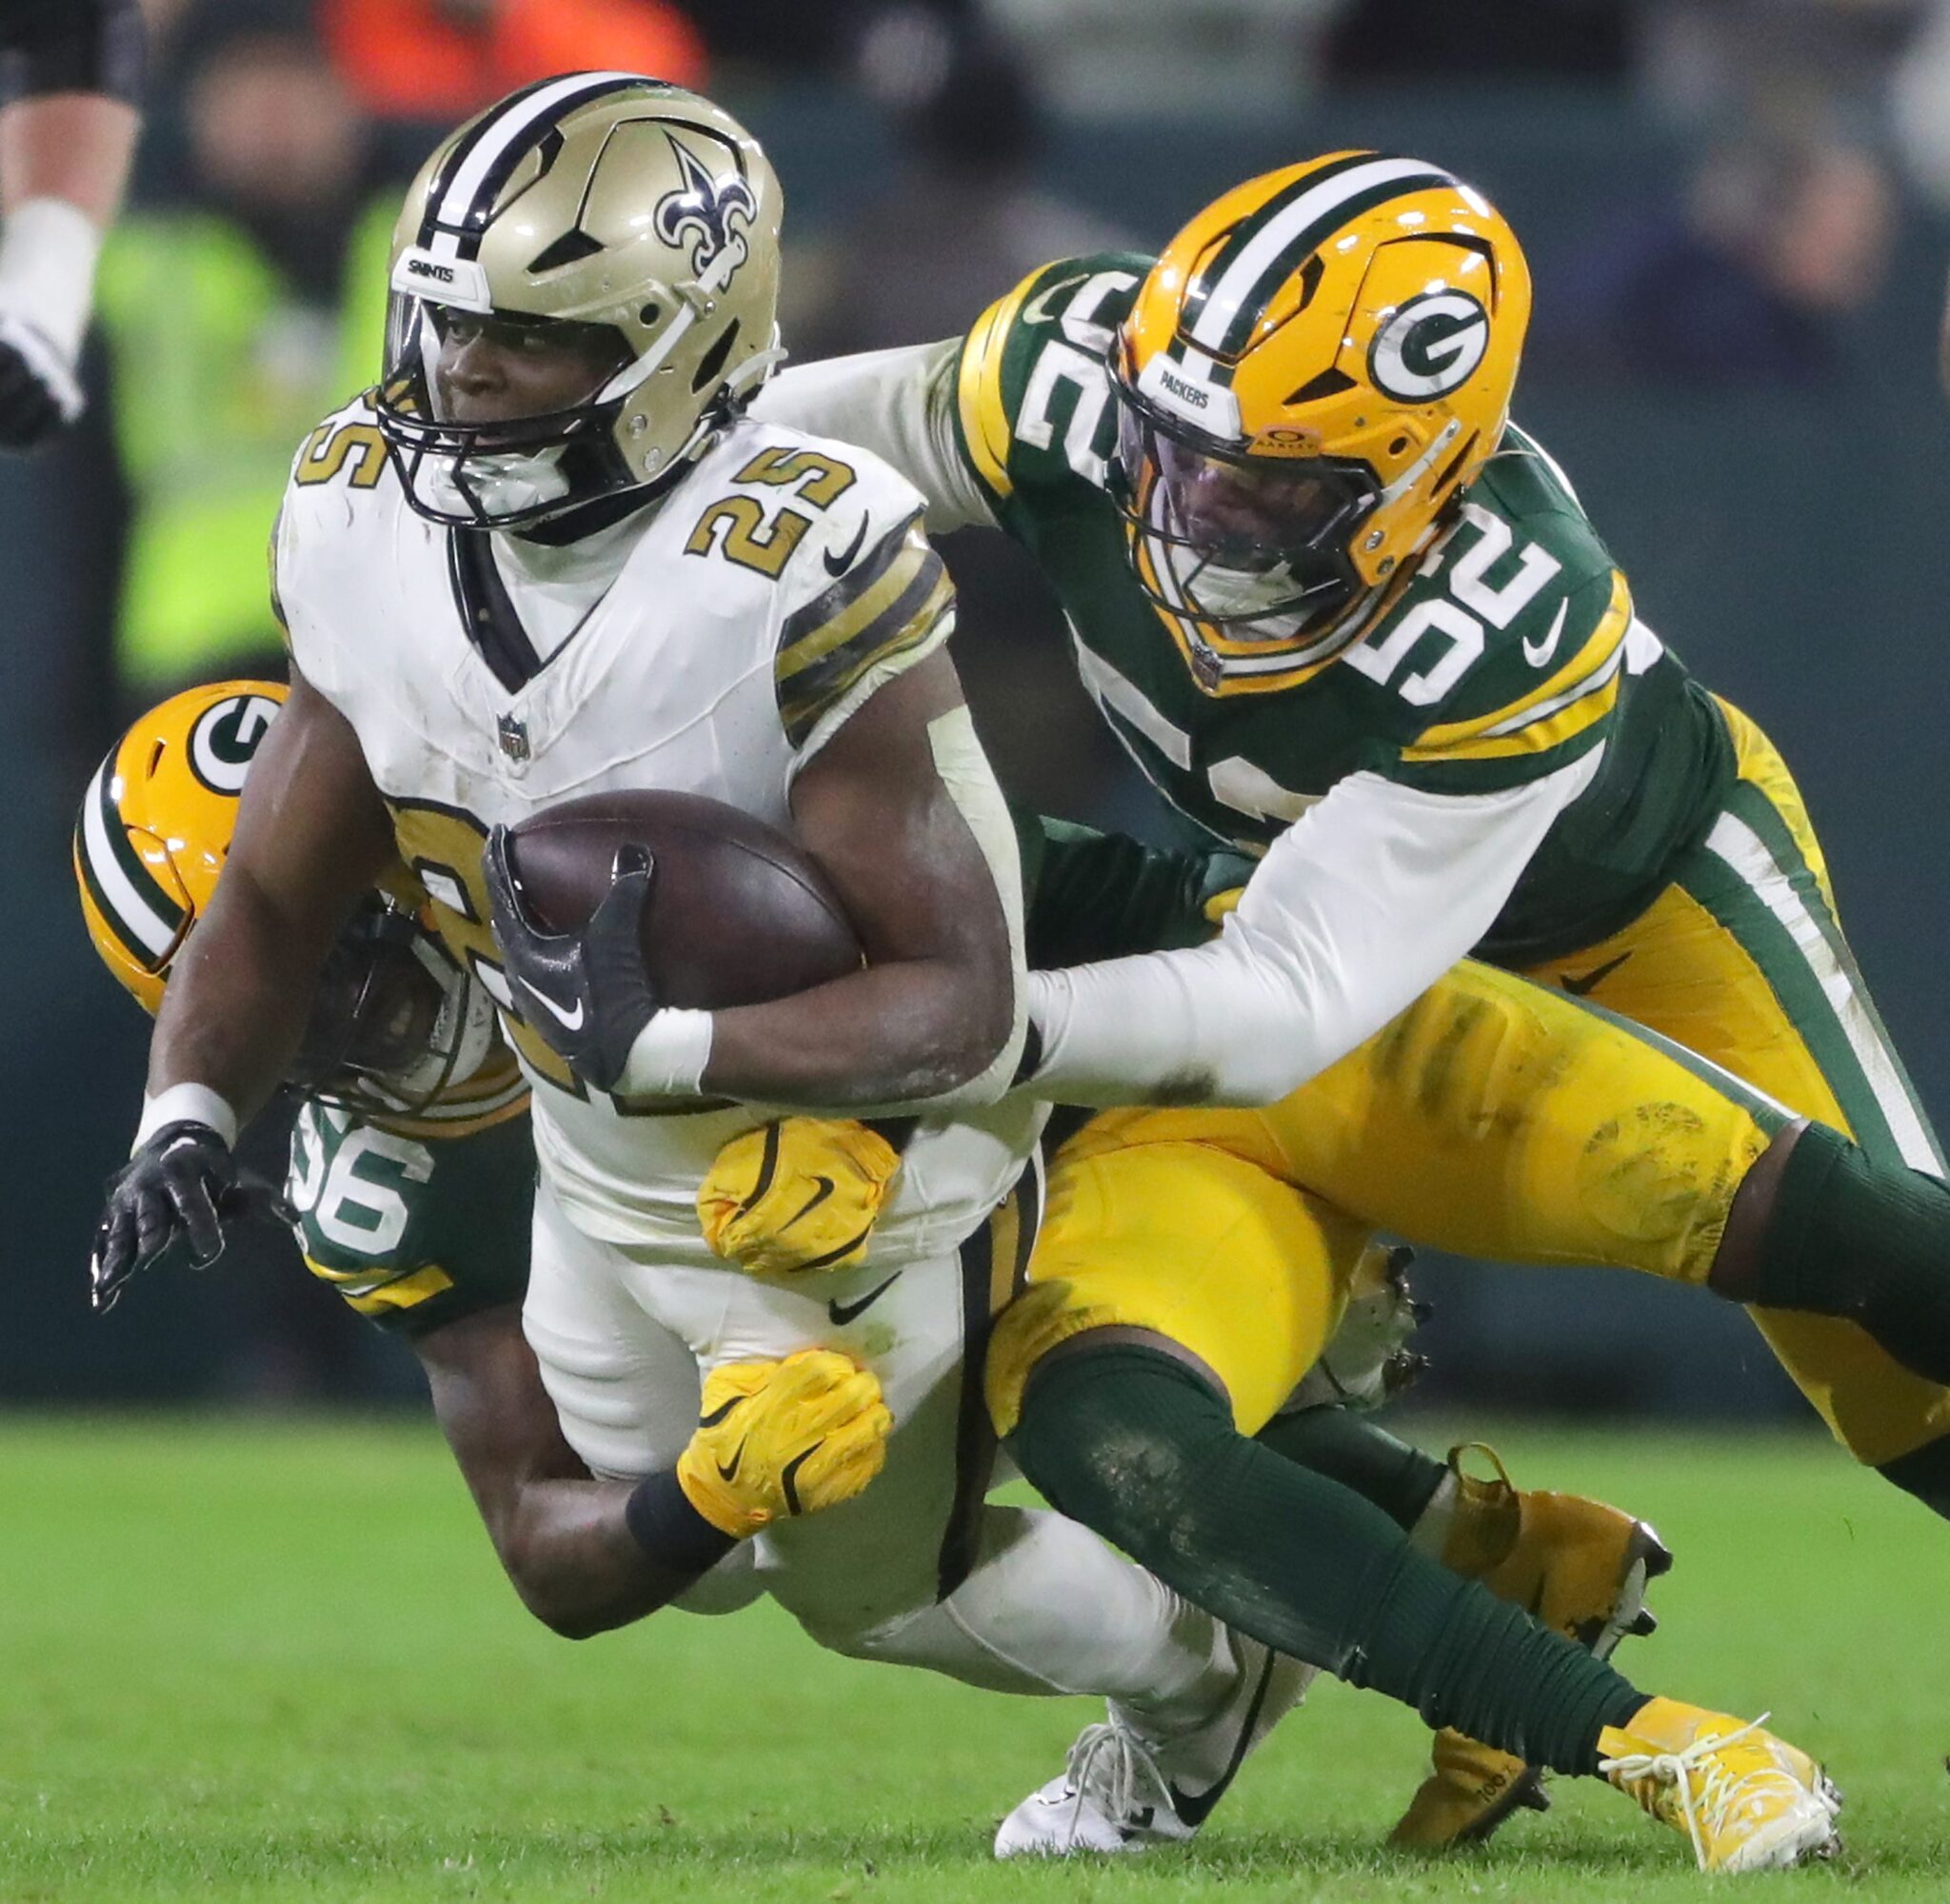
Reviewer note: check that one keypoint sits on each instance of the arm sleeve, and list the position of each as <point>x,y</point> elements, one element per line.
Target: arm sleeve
<point>900,404</point>
<point>71,45</point>
<point>1356,910</point>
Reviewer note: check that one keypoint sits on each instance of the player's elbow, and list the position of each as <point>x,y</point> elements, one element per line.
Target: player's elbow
<point>566,1610</point>
<point>557,1595</point>
<point>982,1037</point>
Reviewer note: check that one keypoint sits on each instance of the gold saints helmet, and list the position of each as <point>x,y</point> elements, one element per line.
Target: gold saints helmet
<point>626,218</point>
<point>394,1021</point>
<point>1311,374</point>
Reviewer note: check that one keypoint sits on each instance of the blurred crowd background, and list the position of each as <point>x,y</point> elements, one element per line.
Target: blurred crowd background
<point>1736,213</point>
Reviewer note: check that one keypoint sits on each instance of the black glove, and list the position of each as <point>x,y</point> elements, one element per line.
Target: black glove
<point>38,390</point>
<point>586,993</point>
<point>183,1182</point>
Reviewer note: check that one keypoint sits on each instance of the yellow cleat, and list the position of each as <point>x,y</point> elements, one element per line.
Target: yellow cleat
<point>1747,1802</point>
<point>1581,1568</point>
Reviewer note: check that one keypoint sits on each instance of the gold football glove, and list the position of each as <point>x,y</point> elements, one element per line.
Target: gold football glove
<point>780,1438</point>
<point>797,1195</point>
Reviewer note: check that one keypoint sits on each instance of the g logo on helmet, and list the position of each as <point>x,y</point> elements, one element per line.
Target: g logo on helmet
<point>225,740</point>
<point>1428,347</point>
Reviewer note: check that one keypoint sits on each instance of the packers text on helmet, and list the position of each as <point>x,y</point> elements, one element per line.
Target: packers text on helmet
<point>1311,373</point>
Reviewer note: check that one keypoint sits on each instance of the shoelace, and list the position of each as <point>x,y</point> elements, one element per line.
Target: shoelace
<point>1720,1792</point>
<point>1110,1761</point>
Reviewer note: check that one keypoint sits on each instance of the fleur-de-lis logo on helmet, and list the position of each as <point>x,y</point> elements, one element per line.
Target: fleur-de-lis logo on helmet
<point>718,214</point>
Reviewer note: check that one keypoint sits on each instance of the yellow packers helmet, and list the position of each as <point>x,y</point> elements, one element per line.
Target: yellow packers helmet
<point>1311,373</point>
<point>156,821</point>
<point>607,213</point>
<point>393,1020</point>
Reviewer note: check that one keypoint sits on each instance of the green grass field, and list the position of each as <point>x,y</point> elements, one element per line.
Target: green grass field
<point>250,1660</point>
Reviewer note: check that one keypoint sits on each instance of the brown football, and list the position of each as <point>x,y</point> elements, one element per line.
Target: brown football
<point>737,913</point>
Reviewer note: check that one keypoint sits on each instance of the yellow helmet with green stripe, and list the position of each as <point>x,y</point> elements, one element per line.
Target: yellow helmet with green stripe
<point>156,821</point>
<point>1309,376</point>
<point>394,1022</point>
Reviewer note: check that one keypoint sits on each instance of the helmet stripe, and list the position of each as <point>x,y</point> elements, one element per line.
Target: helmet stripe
<point>458,203</point>
<point>1249,226</point>
<point>145,917</point>
<point>1257,259</point>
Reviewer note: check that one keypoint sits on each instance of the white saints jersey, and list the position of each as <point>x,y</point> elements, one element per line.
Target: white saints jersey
<point>748,616</point>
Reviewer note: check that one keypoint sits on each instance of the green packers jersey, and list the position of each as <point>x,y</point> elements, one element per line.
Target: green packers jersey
<point>1509,649</point>
<point>414,1234</point>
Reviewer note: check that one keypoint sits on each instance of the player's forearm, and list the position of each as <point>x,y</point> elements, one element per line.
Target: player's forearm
<point>900,404</point>
<point>64,161</point>
<point>71,146</point>
<point>895,1034</point>
<point>239,994</point>
<point>562,1538</point>
<point>567,1547</point>
<point>1354,912</point>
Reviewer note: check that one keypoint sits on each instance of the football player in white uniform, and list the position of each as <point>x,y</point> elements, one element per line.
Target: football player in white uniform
<point>548,558</point>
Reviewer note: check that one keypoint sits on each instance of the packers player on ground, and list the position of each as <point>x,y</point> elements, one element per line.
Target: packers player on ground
<point>411,1182</point>
<point>1340,611</point>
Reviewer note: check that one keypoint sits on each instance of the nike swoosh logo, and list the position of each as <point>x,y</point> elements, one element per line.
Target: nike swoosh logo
<point>844,1313</point>
<point>838,564</point>
<point>789,1480</point>
<point>812,1202</point>
<point>569,1021</point>
<point>1577,986</point>
<point>1537,653</point>
<point>1194,1807</point>
<point>730,1473</point>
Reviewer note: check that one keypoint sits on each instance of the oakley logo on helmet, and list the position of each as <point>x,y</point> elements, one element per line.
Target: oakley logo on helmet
<point>708,209</point>
<point>1429,346</point>
<point>225,740</point>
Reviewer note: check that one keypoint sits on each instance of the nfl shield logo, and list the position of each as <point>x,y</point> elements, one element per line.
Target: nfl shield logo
<point>514,736</point>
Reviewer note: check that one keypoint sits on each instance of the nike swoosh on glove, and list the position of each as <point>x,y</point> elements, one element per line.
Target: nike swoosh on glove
<point>796,1196</point>
<point>775,1439</point>
<point>183,1182</point>
<point>585,993</point>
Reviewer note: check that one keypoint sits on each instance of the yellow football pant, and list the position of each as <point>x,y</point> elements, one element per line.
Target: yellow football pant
<point>1493,1117</point>
<point>1743,960</point>
<point>1502,1119</point>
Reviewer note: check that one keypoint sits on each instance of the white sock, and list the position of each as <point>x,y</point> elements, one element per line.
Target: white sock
<point>1051,1609</point>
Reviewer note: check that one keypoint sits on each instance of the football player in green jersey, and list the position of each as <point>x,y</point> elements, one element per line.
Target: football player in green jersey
<point>1342,612</point>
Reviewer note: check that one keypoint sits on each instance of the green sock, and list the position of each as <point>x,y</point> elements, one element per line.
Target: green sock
<point>1347,1446</point>
<point>1867,1241</point>
<point>1138,1447</point>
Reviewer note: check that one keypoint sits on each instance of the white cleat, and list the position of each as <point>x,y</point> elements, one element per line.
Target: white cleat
<point>1122,1790</point>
